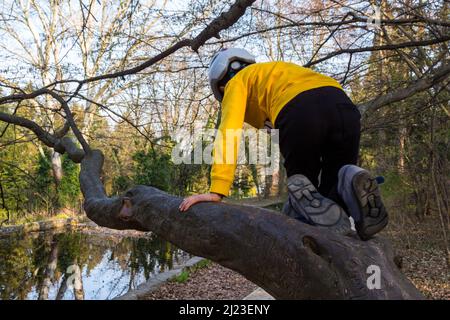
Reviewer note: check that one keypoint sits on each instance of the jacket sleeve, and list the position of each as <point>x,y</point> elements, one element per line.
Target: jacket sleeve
<point>226,143</point>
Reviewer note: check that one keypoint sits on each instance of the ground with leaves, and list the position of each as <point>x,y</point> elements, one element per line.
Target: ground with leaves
<point>210,282</point>
<point>420,244</point>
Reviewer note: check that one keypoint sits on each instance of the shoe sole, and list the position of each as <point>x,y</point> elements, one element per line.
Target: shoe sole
<point>320,211</point>
<point>374,216</point>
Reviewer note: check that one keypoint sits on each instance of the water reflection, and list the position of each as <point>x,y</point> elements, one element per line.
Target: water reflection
<point>79,265</point>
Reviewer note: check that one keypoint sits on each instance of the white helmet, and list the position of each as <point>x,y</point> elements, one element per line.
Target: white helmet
<point>221,63</point>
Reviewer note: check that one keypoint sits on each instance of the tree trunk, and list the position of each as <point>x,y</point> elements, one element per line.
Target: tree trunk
<point>288,259</point>
<point>57,169</point>
<point>62,288</point>
<point>78,290</point>
<point>49,271</point>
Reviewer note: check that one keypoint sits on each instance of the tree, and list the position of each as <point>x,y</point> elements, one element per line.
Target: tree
<point>287,258</point>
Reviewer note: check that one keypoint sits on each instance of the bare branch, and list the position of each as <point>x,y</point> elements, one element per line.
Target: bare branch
<point>48,139</point>
<point>380,48</point>
<point>61,145</point>
<point>420,85</point>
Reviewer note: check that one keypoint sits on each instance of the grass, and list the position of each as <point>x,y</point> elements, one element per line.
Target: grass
<point>185,274</point>
<point>182,277</point>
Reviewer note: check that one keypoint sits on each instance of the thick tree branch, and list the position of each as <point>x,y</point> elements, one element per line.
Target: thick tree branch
<point>289,259</point>
<point>48,139</point>
<point>397,95</point>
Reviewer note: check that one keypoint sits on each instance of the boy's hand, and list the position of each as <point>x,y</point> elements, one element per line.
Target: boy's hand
<point>206,197</point>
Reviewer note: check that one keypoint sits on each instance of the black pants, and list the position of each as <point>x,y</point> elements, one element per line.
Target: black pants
<point>319,133</point>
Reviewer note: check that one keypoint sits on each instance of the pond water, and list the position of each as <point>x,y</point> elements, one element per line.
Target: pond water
<point>81,265</point>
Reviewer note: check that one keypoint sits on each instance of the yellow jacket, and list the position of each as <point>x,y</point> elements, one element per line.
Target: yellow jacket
<point>256,94</point>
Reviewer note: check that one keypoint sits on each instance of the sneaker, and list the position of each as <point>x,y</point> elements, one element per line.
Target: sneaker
<point>308,205</point>
<point>361,194</point>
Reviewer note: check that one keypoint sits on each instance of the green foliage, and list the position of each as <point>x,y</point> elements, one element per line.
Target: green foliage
<point>182,277</point>
<point>53,197</point>
<point>203,264</point>
<point>43,175</point>
<point>186,272</point>
<point>120,184</point>
<point>243,182</point>
<point>13,182</point>
<point>394,187</point>
<point>69,189</point>
<point>153,168</point>
<point>15,178</point>
<point>28,185</point>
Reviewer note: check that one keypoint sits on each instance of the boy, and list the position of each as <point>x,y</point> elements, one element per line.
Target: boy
<point>319,130</point>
